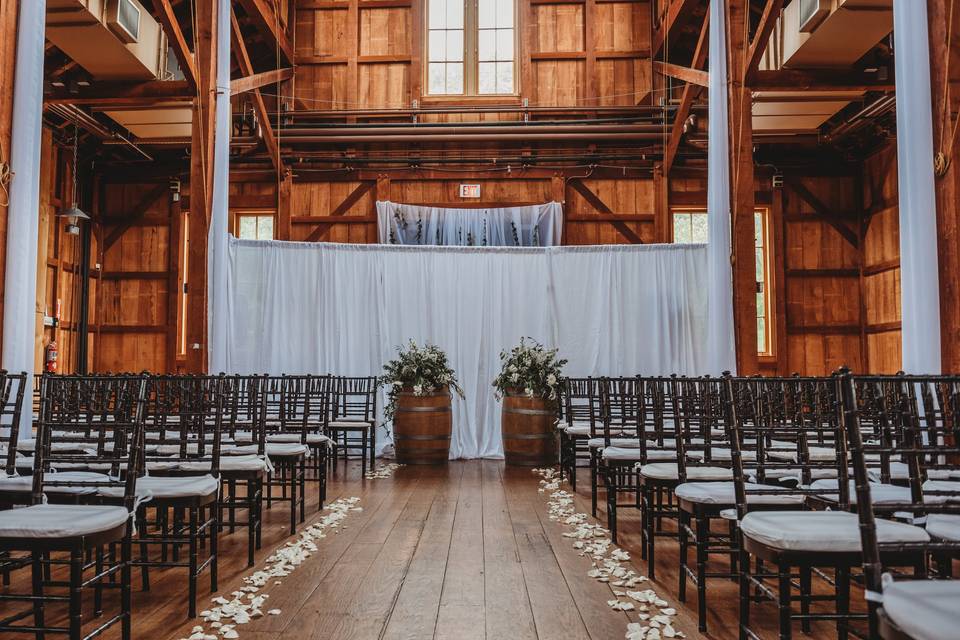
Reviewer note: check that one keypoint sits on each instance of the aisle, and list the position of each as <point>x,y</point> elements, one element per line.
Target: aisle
<point>458,552</point>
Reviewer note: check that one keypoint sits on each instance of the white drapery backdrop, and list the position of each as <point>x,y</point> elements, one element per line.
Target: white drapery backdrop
<point>538,225</point>
<point>614,310</point>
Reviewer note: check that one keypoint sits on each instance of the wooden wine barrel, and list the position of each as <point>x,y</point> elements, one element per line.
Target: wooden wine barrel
<point>421,428</point>
<point>529,431</point>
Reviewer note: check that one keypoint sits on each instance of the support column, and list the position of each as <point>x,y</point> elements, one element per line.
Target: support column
<point>201,186</point>
<point>20,277</point>
<point>8,42</point>
<point>947,182</point>
<point>919,282</point>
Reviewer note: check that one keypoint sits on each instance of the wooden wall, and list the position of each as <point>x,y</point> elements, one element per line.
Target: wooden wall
<point>367,53</point>
<point>8,40</point>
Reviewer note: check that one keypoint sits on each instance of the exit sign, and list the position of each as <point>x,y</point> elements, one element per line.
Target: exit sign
<point>469,191</point>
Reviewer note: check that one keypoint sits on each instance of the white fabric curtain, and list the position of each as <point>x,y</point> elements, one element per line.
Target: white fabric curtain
<point>217,290</point>
<point>532,226</point>
<point>343,309</point>
<point>721,341</point>
<point>23,217</point>
<point>919,281</point>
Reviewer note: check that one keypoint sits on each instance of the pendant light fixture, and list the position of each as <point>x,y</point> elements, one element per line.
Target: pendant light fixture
<point>74,214</point>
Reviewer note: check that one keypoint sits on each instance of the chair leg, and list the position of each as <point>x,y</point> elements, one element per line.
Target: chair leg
<point>192,563</point>
<point>806,574</point>
<point>98,587</point>
<point>649,533</point>
<point>76,594</point>
<point>373,447</point>
<point>293,498</point>
<point>303,490</point>
<point>734,556</point>
<point>251,500</point>
<point>363,452</point>
<point>593,485</point>
<point>214,545</point>
<point>144,552</point>
<point>610,483</point>
<point>703,539</point>
<point>744,583</point>
<point>37,577</point>
<point>842,578</point>
<point>683,540</point>
<point>783,578</point>
<point>126,593</point>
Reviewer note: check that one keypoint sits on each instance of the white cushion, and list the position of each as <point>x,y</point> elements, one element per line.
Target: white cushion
<point>283,437</point>
<point>723,493</point>
<point>829,531</point>
<point>575,430</point>
<point>816,454</point>
<point>945,526</point>
<point>941,485</point>
<point>286,449</point>
<point>669,471</point>
<point>632,453</point>
<point>60,520</point>
<point>229,463</point>
<point>879,493</point>
<point>349,424</point>
<point>21,484</point>
<point>318,438</point>
<point>599,443</point>
<point>723,454</point>
<point>239,436</point>
<point>924,609</point>
<point>160,487</point>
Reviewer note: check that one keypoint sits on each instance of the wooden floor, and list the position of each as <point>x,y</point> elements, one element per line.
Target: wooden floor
<point>455,552</point>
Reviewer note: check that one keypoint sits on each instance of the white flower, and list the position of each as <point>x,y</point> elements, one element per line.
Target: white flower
<point>551,379</point>
<point>529,392</point>
<point>418,390</point>
<point>514,377</point>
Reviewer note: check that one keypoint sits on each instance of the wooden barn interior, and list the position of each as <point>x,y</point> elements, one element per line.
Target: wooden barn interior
<point>839,167</point>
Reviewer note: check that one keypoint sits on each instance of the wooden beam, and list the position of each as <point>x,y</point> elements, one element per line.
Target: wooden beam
<point>121,94</point>
<point>262,14</point>
<point>690,93</point>
<point>694,76</point>
<point>742,201</point>
<point>678,13</point>
<point>201,186</point>
<point>136,213</point>
<point>252,80</point>
<point>771,11</point>
<point>323,228</point>
<point>823,212</point>
<point>171,26</point>
<point>259,107</point>
<point>797,81</point>
<point>598,204</point>
<point>8,44</point>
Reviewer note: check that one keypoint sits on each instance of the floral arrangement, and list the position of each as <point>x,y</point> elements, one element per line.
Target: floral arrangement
<point>420,369</point>
<point>529,369</point>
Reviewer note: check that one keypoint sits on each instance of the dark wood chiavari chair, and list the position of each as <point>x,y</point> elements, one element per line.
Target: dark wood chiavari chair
<point>580,413</point>
<point>919,608</point>
<point>353,419</point>
<point>104,415</point>
<point>12,393</point>
<point>288,416</point>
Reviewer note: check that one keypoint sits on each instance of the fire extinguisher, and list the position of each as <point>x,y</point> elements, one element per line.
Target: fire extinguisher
<point>50,357</point>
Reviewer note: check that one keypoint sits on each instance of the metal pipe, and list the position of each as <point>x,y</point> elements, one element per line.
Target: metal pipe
<point>426,130</point>
<point>481,138</point>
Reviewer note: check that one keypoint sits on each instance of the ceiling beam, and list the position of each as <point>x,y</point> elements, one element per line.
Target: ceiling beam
<point>794,80</point>
<point>594,201</point>
<point>678,13</point>
<point>690,93</point>
<point>253,81</point>
<point>694,76</point>
<point>118,94</point>
<point>171,26</point>
<point>323,228</point>
<point>259,107</point>
<point>771,11</point>
<point>823,212</point>
<point>138,211</point>
<point>267,22</point>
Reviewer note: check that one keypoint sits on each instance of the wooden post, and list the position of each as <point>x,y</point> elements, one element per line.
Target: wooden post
<point>201,186</point>
<point>742,205</point>
<point>947,183</point>
<point>285,207</point>
<point>8,45</point>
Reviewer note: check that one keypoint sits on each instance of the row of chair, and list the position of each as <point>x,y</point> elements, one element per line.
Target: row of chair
<point>791,480</point>
<point>161,464</point>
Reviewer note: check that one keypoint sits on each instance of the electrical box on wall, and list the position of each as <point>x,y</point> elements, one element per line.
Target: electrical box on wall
<point>469,191</point>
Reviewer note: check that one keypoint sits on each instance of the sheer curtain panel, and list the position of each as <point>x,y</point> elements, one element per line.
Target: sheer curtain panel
<point>343,309</point>
<point>538,225</point>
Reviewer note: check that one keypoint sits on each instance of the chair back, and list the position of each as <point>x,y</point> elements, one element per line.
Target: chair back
<point>12,391</point>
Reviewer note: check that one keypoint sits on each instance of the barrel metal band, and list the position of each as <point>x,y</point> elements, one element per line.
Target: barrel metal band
<point>424,409</point>
<point>529,436</point>
<point>416,437</point>
<point>529,412</point>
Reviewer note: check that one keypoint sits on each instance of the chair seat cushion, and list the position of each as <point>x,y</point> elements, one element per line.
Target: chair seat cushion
<point>286,449</point>
<point>947,490</point>
<point>828,531</point>
<point>577,430</point>
<point>945,526</point>
<point>229,463</point>
<point>60,520</point>
<point>284,437</point>
<point>170,487</point>
<point>879,493</point>
<point>24,484</point>
<point>924,609</point>
<point>600,443</point>
<point>346,423</point>
<point>816,454</point>
<point>723,493</point>
<point>669,471</point>
<point>632,453</point>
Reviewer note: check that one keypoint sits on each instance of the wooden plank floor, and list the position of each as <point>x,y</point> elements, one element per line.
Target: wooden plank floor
<point>458,552</point>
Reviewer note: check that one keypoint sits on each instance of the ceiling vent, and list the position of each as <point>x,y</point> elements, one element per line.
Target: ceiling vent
<point>123,18</point>
<point>812,13</point>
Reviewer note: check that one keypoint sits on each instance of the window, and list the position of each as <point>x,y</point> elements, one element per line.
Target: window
<point>471,47</point>
<point>690,227</point>
<point>255,227</point>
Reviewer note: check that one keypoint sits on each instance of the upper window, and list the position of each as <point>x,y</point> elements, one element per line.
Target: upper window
<point>471,47</point>
<point>690,227</point>
<point>254,227</point>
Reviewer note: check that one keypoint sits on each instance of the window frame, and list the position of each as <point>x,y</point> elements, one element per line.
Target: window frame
<point>471,56</point>
<point>768,271</point>
<point>253,213</point>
